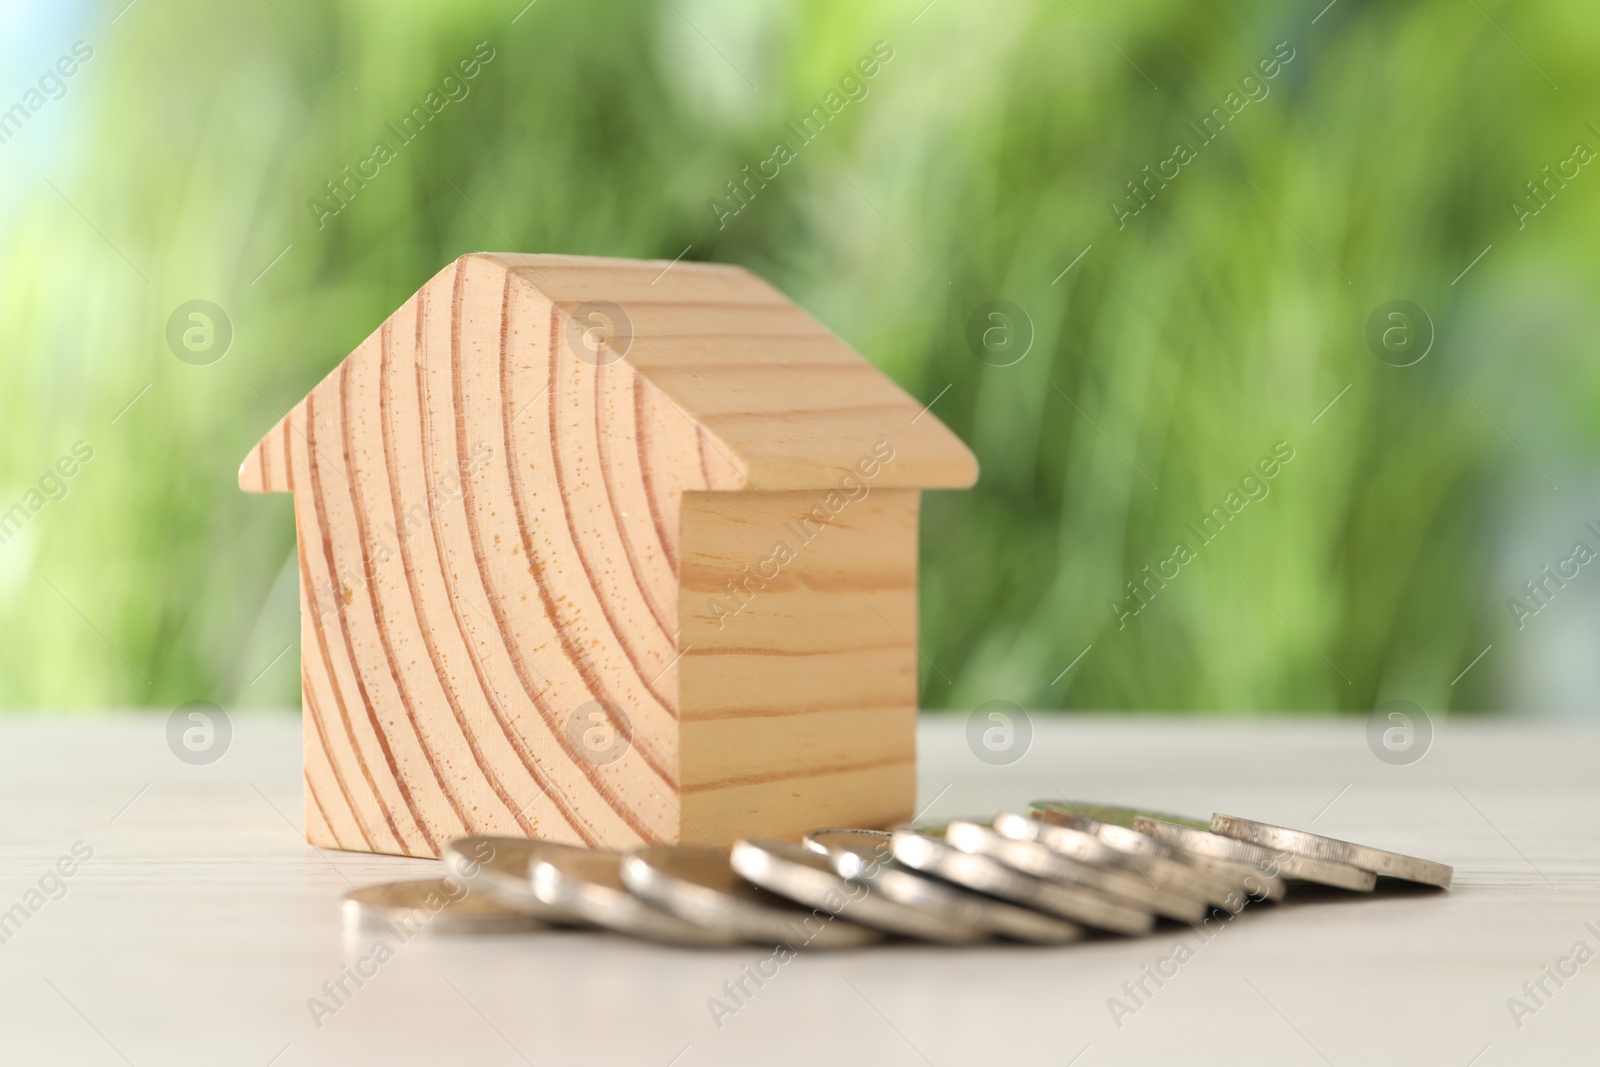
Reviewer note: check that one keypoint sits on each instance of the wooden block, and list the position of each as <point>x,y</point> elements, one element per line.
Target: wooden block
<point>519,504</point>
<point>798,687</point>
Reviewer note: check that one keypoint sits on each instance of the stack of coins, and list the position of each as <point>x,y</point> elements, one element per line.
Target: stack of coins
<point>1059,872</point>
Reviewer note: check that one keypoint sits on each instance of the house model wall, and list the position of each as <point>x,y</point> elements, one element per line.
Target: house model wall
<point>609,552</point>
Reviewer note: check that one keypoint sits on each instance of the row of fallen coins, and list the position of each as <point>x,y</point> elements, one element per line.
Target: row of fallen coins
<point>1051,876</point>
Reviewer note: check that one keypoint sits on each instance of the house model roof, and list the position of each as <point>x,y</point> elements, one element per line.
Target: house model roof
<point>781,402</point>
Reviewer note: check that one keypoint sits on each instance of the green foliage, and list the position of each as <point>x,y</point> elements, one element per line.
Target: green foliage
<point>1185,344</point>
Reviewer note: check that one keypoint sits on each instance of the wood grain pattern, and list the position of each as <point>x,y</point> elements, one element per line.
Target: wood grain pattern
<point>508,524</point>
<point>799,684</point>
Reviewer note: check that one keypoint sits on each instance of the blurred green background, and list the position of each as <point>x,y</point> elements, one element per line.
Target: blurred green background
<point>1166,351</point>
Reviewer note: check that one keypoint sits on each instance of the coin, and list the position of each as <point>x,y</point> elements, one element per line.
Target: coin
<point>1258,882</point>
<point>699,886</point>
<point>933,855</point>
<point>1021,847</point>
<point>865,844</point>
<point>1118,815</point>
<point>1376,860</point>
<point>1279,862</point>
<point>437,905</point>
<point>1064,839</point>
<point>866,856</point>
<point>498,868</point>
<point>588,882</point>
<point>877,842</point>
<point>1168,874</point>
<point>1225,884</point>
<point>808,877</point>
<point>1124,838</point>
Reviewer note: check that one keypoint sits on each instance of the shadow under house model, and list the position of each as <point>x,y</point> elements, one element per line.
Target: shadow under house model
<point>607,552</point>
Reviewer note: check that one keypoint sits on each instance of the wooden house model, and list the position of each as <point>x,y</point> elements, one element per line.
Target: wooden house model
<point>608,552</point>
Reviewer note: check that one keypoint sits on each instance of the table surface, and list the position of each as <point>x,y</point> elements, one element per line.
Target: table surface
<point>202,925</point>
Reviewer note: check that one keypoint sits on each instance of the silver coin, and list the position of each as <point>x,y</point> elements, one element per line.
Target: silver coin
<point>1163,865</point>
<point>1169,874</point>
<point>1225,885</point>
<point>1076,815</point>
<point>867,856</point>
<point>918,850</point>
<point>699,886</point>
<point>1277,861</point>
<point>1121,815</point>
<point>1376,860</point>
<point>1022,846</point>
<point>865,844</point>
<point>497,867</point>
<point>1066,840</point>
<point>588,882</point>
<point>435,905</point>
<point>1257,883</point>
<point>876,842</point>
<point>809,877</point>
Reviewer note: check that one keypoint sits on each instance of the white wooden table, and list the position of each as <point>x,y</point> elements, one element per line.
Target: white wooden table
<point>202,924</point>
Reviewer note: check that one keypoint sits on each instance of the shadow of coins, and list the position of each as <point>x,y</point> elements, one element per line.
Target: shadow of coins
<point>599,332</point>
<point>199,332</point>
<point>1399,733</point>
<point>199,732</point>
<point>600,732</point>
<point>999,733</point>
<point>1399,333</point>
<point>999,332</point>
